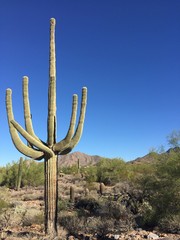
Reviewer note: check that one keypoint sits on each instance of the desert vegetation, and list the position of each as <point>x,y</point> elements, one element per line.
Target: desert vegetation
<point>107,199</point>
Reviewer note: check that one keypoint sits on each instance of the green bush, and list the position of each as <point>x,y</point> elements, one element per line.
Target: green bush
<point>4,205</point>
<point>162,188</point>
<point>90,174</point>
<point>171,224</point>
<point>32,174</point>
<point>9,175</point>
<point>111,171</point>
<point>63,205</point>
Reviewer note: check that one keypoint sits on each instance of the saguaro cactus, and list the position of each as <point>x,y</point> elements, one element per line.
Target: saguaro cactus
<point>78,165</point>
<point>36,148</point>
<point>72,197</point>
<point>19,176</point>
<point>101,188</point>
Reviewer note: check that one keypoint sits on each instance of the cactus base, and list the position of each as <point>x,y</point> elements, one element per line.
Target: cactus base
<point>51,195</point>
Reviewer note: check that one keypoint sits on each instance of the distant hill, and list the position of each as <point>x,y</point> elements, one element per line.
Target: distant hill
<point>85,159</point>
<point>150,157</point>
<point>72,158</point>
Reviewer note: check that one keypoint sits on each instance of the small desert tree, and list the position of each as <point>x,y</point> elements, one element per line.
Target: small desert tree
<point>174,138</point>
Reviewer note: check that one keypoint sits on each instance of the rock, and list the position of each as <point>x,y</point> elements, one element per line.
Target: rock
<point>117,236</point>
<point>70,238</point>
<point>167,238</point>
<point>152,236</point>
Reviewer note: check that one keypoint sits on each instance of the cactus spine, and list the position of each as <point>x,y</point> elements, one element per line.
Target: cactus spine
<point>36,148</point>
<point>19,176</point>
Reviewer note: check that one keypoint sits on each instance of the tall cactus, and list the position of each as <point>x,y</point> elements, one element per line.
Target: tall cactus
<point>36,148</point>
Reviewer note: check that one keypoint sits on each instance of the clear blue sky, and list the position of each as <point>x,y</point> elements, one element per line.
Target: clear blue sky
<point>127,53</point>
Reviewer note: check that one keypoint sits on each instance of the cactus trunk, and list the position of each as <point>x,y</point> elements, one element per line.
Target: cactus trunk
<point>51,195</point>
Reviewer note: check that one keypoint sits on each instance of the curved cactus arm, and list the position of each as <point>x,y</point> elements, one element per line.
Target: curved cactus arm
<point>73,118</point>
<point>74,141</point>
<point>14,135</point>
<point>27,112</point>
<point>52,87</point>
<point>31,139</point>
<point>79,129</point>
<point>62,144</point>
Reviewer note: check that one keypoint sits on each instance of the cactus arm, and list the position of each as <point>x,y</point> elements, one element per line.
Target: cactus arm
<point>62,144</point>
<point>52,87</point>
<point>14,135</point>
<point>27,112</point>
<point>66,147</point>
<point>79,129</point>
<point>31,139</point>
<point>73,118</point>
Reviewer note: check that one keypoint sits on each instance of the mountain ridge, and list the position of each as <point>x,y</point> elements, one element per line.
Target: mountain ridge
<point>72,159</point>
<point>85,159</point>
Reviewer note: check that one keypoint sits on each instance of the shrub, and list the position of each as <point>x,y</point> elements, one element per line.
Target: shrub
<point>32,174</point>
<point>162,189</point>
<point>32,197</point>
<point>170,224</point>
<point>31,218</point>
<point>104,226</point>
<point>72,223</point>
<point>90,174</point>
<point>111,171</point>
<point>4,205</point>
<point>63,205</point>
<point>105,209</point>
<point>89,205</point>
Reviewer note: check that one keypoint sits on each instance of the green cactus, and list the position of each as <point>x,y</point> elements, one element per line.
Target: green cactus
<point>19,176</point>
<point>78,165</point>
<point>101,188</point>
<point>36,148</point>
<point>86,192</point>
<point>72,197</point>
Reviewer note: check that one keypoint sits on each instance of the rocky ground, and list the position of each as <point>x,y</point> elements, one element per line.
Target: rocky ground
<point>132,235</point>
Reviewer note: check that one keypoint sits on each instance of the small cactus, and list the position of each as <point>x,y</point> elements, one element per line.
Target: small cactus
<point>101,188</point>
<point>19,176</point>
<point>78,164</point>
<point>86,192</point>
<point>72,197</point>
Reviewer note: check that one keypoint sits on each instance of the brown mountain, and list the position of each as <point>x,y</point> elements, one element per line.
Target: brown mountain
<point>85,159</point>
<point>72,158</point>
